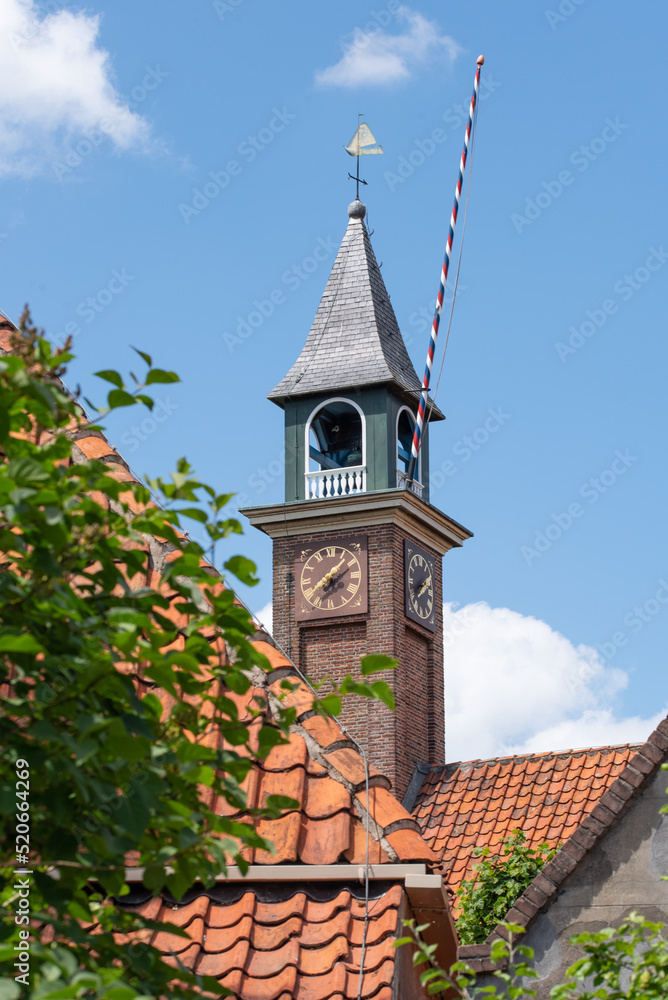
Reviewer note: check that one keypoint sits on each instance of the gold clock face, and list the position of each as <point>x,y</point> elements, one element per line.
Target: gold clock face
<point>331,579</point>
<point>420,584</point>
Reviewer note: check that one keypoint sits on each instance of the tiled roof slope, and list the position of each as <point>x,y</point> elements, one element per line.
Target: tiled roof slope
<point>323,771</point>
<point>465,805</point>
<point>643,764</point>
<point>306,943</point>
<point>355,339</point>
<point>274,942</point>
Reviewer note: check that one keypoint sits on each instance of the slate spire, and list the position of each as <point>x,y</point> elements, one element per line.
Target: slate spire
<point>355,339</point>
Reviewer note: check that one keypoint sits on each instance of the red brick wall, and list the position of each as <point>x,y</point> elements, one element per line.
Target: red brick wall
<point>394,743</point>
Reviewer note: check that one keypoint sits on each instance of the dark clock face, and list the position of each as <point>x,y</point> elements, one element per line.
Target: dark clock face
<point>420,585</point>
<point>331,578</point>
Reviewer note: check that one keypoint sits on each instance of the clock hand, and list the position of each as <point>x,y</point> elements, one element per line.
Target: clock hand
<point>424,586</point>
<point>328,576</point>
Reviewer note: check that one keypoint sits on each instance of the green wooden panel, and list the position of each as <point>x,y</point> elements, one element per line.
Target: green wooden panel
<point>380,408</point>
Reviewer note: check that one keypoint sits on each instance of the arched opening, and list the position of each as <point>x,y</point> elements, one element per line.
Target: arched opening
<point>336,448</point>
<point>405,431</point>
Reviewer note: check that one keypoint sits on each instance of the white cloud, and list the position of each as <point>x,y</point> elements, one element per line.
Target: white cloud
<point>374,57</point>
<point>514,685</point>
<point>594,728</point>
<point>55,83</point>
<point>265,617</point>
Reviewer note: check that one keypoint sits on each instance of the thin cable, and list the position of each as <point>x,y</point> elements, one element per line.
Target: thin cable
<point>366,879</point>
<point>459,264</point>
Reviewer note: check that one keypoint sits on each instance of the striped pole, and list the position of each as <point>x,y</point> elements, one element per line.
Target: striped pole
<point>422,408</point>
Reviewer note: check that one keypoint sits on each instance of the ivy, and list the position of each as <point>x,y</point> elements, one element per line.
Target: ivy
<point>498,881</point>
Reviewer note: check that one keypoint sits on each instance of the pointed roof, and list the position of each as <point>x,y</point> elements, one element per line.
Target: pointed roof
<point>355,339</point>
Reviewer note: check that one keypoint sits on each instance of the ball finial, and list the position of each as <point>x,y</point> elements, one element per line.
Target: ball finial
<point>357,209</point>
<point>480,61</point>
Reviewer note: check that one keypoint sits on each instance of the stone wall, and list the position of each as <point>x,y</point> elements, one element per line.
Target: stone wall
<point>622,873</point>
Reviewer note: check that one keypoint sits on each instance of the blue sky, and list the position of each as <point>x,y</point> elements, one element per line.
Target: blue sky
<point>166,167</point>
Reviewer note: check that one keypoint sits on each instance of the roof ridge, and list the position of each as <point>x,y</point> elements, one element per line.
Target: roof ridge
<point>570,751</point>
<point>612,805</point>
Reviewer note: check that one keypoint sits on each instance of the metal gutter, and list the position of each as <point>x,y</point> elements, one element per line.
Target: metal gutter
<point>308,873</point>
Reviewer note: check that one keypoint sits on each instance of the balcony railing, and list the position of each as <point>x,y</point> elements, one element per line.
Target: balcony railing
<point>335,482</point>
<point>414,487</point>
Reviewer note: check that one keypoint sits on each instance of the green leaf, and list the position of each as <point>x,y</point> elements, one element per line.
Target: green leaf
<point>244,570</point>
<point>119,397</point>
<point>384,693</point>
<point>148,402</point>
<point>4,424</point>
<point>376,662</point>
<point>194,513</point>
<point>13,643</point>
<point>202,775</point>
<point>111,376</point>
<point>27,469</point>
<point>120,993</point>
<point>158,375</point>
<point>331,703</point>
<point>144,357</point>
<point>281,802</point>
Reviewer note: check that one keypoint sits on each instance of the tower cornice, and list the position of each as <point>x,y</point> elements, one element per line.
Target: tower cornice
<point>427,524</point>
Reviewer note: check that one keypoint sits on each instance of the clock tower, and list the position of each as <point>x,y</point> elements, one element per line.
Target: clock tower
<point>357,547</point>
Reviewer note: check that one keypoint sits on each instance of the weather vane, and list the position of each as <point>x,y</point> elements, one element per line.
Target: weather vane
<point>363,143</point>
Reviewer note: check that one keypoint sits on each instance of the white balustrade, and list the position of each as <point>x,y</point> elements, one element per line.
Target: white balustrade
<point>335,482</point>
<point>414,486</point>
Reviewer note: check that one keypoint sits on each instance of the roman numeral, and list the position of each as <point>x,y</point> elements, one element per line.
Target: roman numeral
<point>351,588</point>
<point>331,551</point>
<point>356,575</point>
<point>317,556</point>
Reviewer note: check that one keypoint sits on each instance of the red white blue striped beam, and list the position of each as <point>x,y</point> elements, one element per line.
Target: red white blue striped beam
<point>422,408</point>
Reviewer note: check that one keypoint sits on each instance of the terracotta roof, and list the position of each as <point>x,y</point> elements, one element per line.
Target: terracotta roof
<point>323,771</point>
<point>263,941</point>
<point>465,805</point>
<point>615,801</point>
<point>271,942</point>
<point>355,338</point>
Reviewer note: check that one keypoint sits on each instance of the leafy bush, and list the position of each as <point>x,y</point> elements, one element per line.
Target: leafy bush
<point>93,769</point>
<point>498,881</point>
<point>629,962</point>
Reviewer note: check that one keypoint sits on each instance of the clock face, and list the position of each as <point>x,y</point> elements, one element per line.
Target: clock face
<point>420,584</point>
<point>331,578</point>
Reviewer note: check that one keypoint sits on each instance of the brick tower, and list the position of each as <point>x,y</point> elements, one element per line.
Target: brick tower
<point>357,549</point>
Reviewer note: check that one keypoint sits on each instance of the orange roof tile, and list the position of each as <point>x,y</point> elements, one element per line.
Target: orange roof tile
<point>477,803</point>
<point>610,806</point>
<point>282,940</point>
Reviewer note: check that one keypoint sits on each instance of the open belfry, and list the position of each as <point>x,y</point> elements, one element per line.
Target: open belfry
<point>358,547</point>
